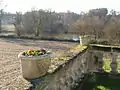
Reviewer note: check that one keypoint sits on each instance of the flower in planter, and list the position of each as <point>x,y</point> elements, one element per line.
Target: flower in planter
<point>36,52</point>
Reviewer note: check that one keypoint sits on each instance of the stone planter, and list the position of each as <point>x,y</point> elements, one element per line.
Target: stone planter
<point>34,66</point>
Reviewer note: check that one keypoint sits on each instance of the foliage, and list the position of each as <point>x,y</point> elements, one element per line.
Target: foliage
<point>100,24</point>
<point>106,66</point>
<point>93,42</point>
<point>97,23</point>
<point>35,52</point>
<point>17,23</point>
<point>100,87</point>
<point>38,22</point>
<point>65,57</point>
<point>107,62</point>
<point>1,14</point>
<point>103,42</point>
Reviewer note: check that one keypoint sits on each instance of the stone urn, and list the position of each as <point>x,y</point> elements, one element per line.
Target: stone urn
<point>34,66</point>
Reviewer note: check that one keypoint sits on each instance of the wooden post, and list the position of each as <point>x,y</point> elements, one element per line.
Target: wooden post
<point>80,40</point>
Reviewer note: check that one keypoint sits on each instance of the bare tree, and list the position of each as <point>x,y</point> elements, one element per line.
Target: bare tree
<point>90,25</point>
<point>112,29</point>
<point>18,23</point>
<point>1,13</point>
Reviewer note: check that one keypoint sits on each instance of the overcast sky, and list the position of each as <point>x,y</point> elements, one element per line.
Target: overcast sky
<point>60,5</point>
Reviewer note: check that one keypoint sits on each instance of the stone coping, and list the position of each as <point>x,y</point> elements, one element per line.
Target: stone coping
<point>58,63</point>
<point>105,46</point>
<point>65,57</point>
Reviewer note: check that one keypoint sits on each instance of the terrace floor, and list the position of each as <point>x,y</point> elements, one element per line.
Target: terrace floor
<point>10,71</point>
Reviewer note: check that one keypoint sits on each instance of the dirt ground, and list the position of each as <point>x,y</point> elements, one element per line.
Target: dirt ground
<point>10,71</point>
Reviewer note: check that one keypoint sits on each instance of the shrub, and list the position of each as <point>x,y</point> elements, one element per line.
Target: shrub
<point>104,42</point>
<point>93,42</point>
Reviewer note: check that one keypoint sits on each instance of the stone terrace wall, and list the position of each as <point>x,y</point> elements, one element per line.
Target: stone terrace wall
<point>68,74</point>
<point>82,62</point>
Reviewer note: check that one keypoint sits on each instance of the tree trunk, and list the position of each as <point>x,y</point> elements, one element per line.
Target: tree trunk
<point>37,32</point>
<point>0,26</point>
<point>95,34</point>
<point>17,30</point>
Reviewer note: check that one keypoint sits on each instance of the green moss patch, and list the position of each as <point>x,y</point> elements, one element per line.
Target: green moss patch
<point>65,57</point>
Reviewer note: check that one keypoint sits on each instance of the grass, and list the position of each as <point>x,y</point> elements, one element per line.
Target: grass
<point>100,87</point>
<point>106,66</point>
<point>118,63</point>
<point>107,62</point>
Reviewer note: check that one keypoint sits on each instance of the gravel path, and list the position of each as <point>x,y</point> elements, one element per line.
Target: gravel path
<point>10,71</point>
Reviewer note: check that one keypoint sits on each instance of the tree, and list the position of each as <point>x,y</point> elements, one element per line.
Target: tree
<point>101,12</point>
<point>18,23</point>
<point>1,14</point>
<point>35,23</point>
<point>112,29</point>
<point>90,25</point>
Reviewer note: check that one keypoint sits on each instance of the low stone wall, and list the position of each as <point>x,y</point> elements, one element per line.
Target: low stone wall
<point>70,67</point>
<point>68,73</point>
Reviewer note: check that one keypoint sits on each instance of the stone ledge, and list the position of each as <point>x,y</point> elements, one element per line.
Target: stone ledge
<point>105,46</point>
<point>63,69</point>
<point>65,57</point>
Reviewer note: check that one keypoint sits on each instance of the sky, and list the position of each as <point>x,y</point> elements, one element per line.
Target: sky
<point>60,5</point>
